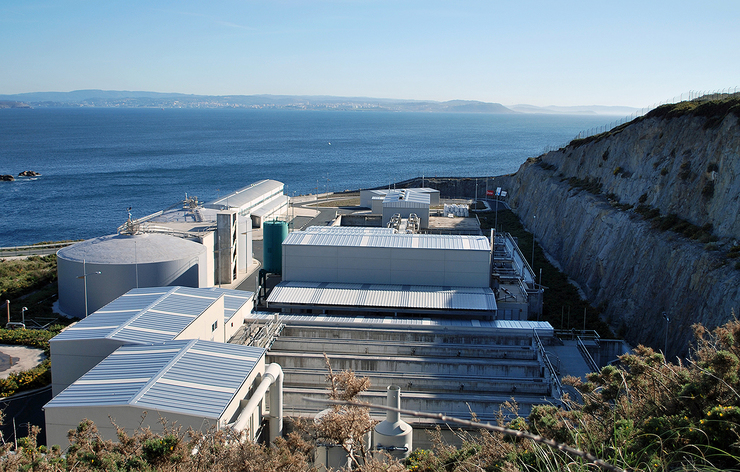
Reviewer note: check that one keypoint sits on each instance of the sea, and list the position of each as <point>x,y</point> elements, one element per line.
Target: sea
<point>95,163</point>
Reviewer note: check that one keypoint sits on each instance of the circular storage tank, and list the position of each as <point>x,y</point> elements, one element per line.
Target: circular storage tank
<point>273,235</point>
<point>125,262</point>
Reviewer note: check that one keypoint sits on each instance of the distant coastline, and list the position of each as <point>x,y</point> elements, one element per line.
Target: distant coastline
<point>140,99</point>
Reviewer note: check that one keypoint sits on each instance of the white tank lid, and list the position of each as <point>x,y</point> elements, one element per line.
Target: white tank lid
<point>123,249</point>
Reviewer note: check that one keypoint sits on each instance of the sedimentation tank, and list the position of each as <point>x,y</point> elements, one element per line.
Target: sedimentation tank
<point>273,235</point>
<point>109,266</point>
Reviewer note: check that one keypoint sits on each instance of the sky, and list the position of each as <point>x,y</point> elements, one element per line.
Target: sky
<point>627,53</point>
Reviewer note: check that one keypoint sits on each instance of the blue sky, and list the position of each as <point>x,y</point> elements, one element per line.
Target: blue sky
<point>632,53</point>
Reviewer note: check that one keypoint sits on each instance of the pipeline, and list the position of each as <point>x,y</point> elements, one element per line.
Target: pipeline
<point>273,375</point>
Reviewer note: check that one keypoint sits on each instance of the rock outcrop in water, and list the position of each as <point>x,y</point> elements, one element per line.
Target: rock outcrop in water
<point>645,218</point>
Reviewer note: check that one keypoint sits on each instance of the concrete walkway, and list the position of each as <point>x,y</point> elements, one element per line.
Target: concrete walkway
<point>18,358</point>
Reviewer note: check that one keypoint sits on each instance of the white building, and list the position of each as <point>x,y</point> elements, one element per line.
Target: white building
<point>192,383</point>
<point>145,316</point>
<point>406,203</point>
<point>367,196</point>
<point>262,200</point>
<point>350,270</point>
<point>161,351</point>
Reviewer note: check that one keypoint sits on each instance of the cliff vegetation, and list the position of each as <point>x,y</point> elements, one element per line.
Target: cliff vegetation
<point>644,218</point>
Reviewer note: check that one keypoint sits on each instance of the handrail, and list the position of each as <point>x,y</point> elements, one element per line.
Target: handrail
<point>586,355</point>
<point>557,385</point>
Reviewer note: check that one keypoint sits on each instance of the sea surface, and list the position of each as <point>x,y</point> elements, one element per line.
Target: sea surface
<point>98,162</point>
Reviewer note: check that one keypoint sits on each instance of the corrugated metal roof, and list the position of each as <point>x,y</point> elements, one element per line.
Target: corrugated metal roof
<point>348,230</point>
<point>396,240</point>
<point>384,296</point>
<point>143,315</point>
<point>248,196</point>
<point>190,377</point>
<point>408,197</point>
<point>271,206</point>
<point>234,300</point>
<point>543,328</point>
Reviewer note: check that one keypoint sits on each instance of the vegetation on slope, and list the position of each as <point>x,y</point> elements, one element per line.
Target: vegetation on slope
<point>713,110</point>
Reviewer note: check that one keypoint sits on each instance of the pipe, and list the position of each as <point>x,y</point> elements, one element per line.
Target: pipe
<point>273,374</point>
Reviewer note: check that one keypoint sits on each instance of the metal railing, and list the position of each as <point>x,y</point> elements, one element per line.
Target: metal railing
<point>35,249</point>
<point>261,334</point>
<point>689,96</point>
<point>586,355</point>
<point>556,384</point>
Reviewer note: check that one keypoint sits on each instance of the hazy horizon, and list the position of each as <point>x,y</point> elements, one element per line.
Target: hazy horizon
<point>570,53</point>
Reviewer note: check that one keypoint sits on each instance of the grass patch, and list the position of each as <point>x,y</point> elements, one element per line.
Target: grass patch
<point>561,297</point>
<point>713,110</point>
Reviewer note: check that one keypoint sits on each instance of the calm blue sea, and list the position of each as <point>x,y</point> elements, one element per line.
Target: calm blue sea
<point>95,163</point>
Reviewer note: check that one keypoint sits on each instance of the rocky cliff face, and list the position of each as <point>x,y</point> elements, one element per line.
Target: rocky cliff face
<point>645,219</point>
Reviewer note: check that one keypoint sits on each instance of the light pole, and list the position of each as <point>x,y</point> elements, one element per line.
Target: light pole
<point>23,316</point>
<point>84,279</point>
<point>667,321</point>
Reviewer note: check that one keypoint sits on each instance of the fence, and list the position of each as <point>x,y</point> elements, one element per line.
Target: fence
<point>691,95</point>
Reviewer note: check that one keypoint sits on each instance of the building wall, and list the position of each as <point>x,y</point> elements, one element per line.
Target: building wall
<point>231,326</point>
<point>72,359</point>
<point>421,210</point>
<point>59,420</point>
<point>203,326</point>
<point>209,241</point>
<point>378,265</point>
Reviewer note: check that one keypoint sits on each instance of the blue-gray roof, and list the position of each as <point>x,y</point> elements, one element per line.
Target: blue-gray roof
<point>144,315</point>
<point>192,377</point>
<point>543,328</point>
<point>416,241</point>
<point>411,297</point>
<point>234,300</point>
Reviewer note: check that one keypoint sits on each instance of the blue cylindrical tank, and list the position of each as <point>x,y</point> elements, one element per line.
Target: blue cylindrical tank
<point>273,235</point>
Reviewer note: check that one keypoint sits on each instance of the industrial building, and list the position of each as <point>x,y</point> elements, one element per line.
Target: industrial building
<point>146,316</point>
<point>193,383</point>
<point>367,196</point>
<point>188,244</point>
<point>263,201</point>
<point>162,350</point>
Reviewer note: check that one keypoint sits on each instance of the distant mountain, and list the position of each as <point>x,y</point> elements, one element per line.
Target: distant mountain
<point>133,99</point>
<point>575,110</point>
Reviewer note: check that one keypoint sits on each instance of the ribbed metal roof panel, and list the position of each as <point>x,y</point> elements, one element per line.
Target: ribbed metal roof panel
<point>385,296</point>
<point>144,315</point>
<point>348,230</point>
<point>391,240</point>
<point>248,196</point>
<point>542,327</point>
<point>190,377</point>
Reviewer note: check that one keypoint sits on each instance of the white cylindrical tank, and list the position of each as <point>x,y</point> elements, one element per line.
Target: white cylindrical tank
<point>109,266</point>
<point>393,435</point>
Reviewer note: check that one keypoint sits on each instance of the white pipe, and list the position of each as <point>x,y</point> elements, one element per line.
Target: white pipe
<point>273,374</point>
